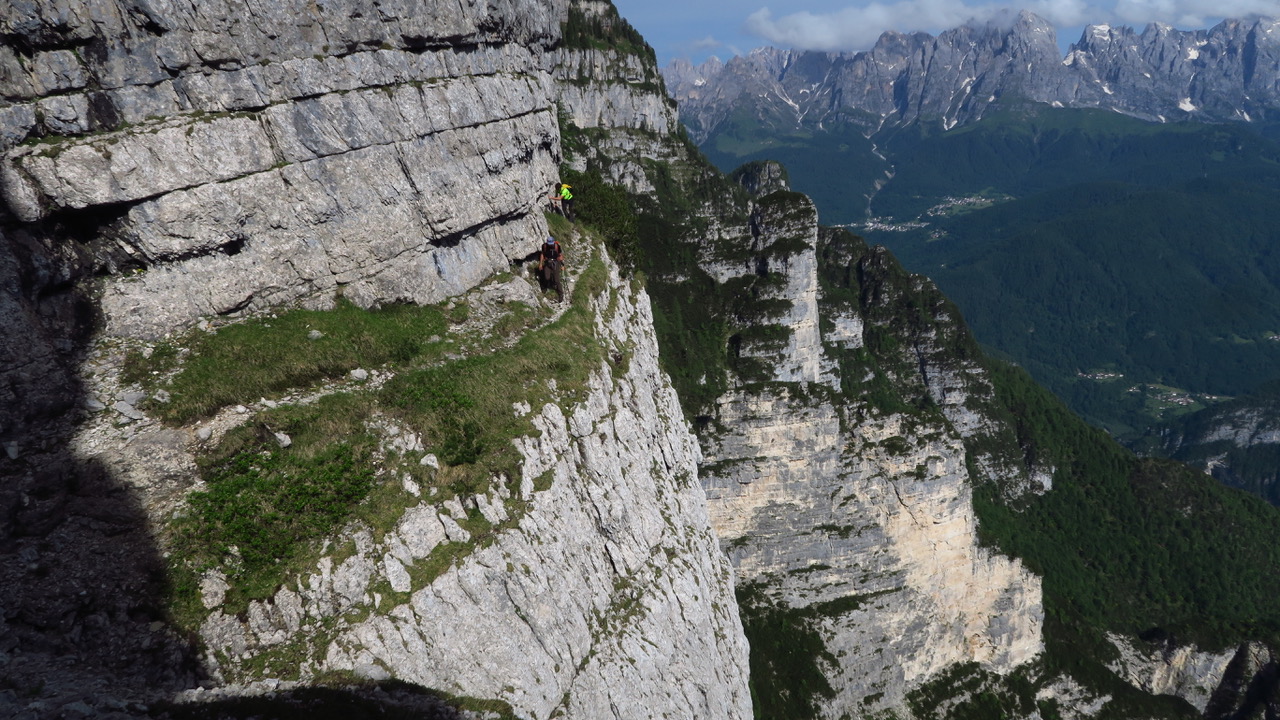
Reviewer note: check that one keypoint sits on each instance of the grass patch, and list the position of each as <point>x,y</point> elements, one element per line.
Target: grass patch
<point>464,409</point>
<point>265,508</point>
<point>263,505</point>
<point>140,366</point>
<point>265,356</point>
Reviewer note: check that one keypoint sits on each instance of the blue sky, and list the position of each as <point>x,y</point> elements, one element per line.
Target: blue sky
<point>696,29</point>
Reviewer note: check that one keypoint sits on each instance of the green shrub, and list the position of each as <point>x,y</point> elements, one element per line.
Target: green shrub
<point>787,659</point>
<point>607,209</point>
<point>263,504</point>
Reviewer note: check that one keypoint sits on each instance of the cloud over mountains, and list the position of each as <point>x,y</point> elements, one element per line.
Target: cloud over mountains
<point>857,28</point>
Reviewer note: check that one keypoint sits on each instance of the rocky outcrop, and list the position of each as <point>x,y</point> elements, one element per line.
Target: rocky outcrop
<point>762,178</point>
<point>866,520</point>
<point>780,262</point>
<point>1250,686</point>
<point>1228,72</point>
<point>225,160</point>
<point>1171,670</point>
<point>1235,442</point>
<point>604,589</point>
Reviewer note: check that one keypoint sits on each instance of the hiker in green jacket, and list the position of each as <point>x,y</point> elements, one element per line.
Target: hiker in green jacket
<point>566,201</point>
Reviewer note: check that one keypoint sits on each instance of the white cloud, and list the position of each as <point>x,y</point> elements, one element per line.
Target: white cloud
<point>706,43</point>
<point>1191,13</point>
<point>1065,13</point>
<point>857,28</point>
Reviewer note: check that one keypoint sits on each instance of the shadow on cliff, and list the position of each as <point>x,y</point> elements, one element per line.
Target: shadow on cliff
<point>388,700</point>
<point>83,616</point>
<point>81,579</point>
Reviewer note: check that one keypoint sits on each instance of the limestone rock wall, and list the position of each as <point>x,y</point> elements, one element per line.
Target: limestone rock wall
<point>876,523</point>
<point>223,157</point>
<point>627,101</point>
<point>784,239</point>
<point>864,518</point>
<point>1185,671</point>
<point>608,594</point>
<point>619,90</point>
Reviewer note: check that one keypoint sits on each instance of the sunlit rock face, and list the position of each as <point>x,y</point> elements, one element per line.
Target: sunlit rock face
<point>609,588</point>
<point>222,161</point>
<point>865,518</point>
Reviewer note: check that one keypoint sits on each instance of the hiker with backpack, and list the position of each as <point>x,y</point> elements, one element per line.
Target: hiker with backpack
<point>550,263</point>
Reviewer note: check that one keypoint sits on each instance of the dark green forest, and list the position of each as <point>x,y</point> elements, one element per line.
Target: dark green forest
<point>1131,267</point>
<point>837,163</point>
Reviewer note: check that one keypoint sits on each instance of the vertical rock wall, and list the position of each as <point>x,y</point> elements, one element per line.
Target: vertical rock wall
<point>616,89</point>
<point>868,520</point>
<point>608,595</point>
<point>232,156</point>
<point>784,240</point>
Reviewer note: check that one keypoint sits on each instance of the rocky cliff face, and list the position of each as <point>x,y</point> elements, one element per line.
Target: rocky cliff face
<point>1173,670</point>
<point>162,163</point>
<point>614,95</point>
<point>864,518</point>
<point>228,160</point>
<point>179,164</point>
<point>1226,73</point>
<point>602,587</point>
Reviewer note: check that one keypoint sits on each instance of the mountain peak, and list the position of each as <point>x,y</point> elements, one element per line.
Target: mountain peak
<point>1230,72</point>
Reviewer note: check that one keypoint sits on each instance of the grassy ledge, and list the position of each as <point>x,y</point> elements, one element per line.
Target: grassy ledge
<point>264,510</point>
<point>265,356</point>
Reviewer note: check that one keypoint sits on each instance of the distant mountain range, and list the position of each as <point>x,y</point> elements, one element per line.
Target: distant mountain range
<point>1108,224</point>
<point>1228,72</point>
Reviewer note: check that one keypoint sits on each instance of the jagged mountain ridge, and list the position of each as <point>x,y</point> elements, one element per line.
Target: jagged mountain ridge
<point>1228,72</point>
